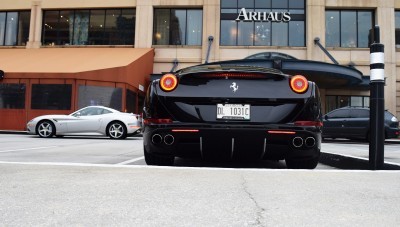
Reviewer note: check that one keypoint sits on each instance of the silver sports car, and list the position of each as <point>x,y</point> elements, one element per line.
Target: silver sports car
<point>92,119</point>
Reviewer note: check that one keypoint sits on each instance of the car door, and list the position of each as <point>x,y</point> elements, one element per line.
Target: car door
<point>358,124</point>
<point>87,120</point>
<point>334,123</point>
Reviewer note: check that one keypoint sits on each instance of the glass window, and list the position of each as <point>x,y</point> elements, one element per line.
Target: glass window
<point>2,27</point>
<point>177,27</point>
<point>98,95</point>
<point>266,31</point>
<point>11,29</point>
<point>228,33</point>
<point>14,28</point>
<point>12,96</point>
<point>126,26</point>
<point>245,33</point>
<point>130,101</point>
<point>50,28</point>
<point>262,34</point>
<point>296,33</point>
<point>340,114</point>
<point>348,23</point>
<point>356,101</point>
<point>332,33</point>
<point>279,34</point>
<point>397,27</point>
<point>333,102</point>
<point>359,113</point>
<point>194,27</point>
<point>80,35</point>
<point>348,28</point>
<point>89,27</point>
<point>51,96</point>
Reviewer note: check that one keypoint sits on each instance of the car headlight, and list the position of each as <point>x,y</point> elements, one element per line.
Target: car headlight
<point>394,119</point>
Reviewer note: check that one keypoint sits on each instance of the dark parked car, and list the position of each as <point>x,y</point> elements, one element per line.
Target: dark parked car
<point>353,122</point>
<point>232,113</point>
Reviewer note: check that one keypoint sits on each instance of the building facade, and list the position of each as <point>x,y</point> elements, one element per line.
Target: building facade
<point>183,33</point>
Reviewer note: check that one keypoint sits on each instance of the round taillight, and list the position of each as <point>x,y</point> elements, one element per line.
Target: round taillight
<point>168,82</point>
<point>299,84</point>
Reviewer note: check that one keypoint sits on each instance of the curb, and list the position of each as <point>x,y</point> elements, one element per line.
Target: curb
<point>351,163</point>
<point>13,132</point>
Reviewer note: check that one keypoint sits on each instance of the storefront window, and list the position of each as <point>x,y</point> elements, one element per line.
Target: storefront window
<point>397,24</point>
<point>12,96</point>
<point>98,95</point>
<point>51,96</point>
<point>264,25</point>
<point>334,102</point>
<point>348,28</point>
<point>177,26</point>
<point>89,27</point>
<point>131,98</point>
<point>14,28</point>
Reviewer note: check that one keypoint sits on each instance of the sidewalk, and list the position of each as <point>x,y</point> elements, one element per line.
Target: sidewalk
<point>346,154</point>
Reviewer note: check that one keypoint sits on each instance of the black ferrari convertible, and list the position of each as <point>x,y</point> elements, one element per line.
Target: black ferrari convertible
<point>232,112</point>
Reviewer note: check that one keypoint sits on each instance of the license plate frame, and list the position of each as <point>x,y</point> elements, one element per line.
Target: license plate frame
<point>229,111</point>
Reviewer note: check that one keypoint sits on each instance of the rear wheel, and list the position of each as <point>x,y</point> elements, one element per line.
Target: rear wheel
<point>156,160</point>
<point>46,129</point>
<point>116,130</point>
<point>302,163</point>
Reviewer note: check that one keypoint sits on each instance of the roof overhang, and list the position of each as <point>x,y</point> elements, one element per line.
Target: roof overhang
<point>126,65</point>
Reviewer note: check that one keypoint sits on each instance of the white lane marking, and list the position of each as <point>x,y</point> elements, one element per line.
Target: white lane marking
<point>180,168</point>
<point>130,161</point>
<point>27,149</point>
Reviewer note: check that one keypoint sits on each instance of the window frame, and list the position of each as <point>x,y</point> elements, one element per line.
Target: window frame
<point>104,32</point>
<point>357,25</point>
<point>17,28</point>
<point>186,27</point>
<point>302,18</point>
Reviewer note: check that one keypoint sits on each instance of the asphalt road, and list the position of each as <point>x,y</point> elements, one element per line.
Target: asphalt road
<point>102,182</point>
<point>99,150</point>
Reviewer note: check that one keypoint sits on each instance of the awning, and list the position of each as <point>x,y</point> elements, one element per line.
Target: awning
<point>326,75</point>
<point>127,65</point>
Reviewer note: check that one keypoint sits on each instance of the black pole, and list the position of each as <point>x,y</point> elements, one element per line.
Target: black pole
<point>377,103</point>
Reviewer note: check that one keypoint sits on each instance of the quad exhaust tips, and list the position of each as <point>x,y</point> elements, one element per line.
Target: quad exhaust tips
<point>158,139</point>
<point>309,142</point>
<point>299,142</point>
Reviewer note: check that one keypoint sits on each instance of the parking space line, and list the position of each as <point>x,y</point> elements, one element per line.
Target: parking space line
<point>130,161</point>
<point>27,149</point>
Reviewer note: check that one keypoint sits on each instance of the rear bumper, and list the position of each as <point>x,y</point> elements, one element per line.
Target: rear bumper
<point>392,133</point>
<point>232,142</point>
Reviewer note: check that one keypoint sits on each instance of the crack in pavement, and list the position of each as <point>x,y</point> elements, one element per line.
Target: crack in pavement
<point>260,210</point>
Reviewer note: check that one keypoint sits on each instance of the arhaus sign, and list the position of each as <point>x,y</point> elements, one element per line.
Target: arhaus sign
<point>263,16</point>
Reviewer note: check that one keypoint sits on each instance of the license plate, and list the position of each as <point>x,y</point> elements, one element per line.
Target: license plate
<point>233,111</point>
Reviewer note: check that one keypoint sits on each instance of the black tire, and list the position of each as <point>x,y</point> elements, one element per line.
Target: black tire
<point>46,129</point>
<point>302,163</point>
<point>156,160</point>
<point>116,130</point>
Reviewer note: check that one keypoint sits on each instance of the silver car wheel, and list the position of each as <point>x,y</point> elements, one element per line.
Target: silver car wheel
<point>116,131</point>
<point>45,129</point>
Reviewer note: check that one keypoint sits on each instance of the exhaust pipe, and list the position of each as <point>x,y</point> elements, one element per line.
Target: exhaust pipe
<point>297,142</point>
<point>310,141</point>
<point>169,139</point>
<point>156,139</point>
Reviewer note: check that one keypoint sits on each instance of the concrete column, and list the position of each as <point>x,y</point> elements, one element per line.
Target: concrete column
<point>385,19</point>
<point>315,28</point>
<point>144,24</point>
<point>211,9</point>
<point>35,32</point>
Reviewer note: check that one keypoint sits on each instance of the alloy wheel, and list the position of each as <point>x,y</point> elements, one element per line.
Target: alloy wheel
<point>116,131</point>
<point>45,129</point>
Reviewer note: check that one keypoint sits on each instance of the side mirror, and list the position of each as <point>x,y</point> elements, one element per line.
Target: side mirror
<point>326,117</point>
